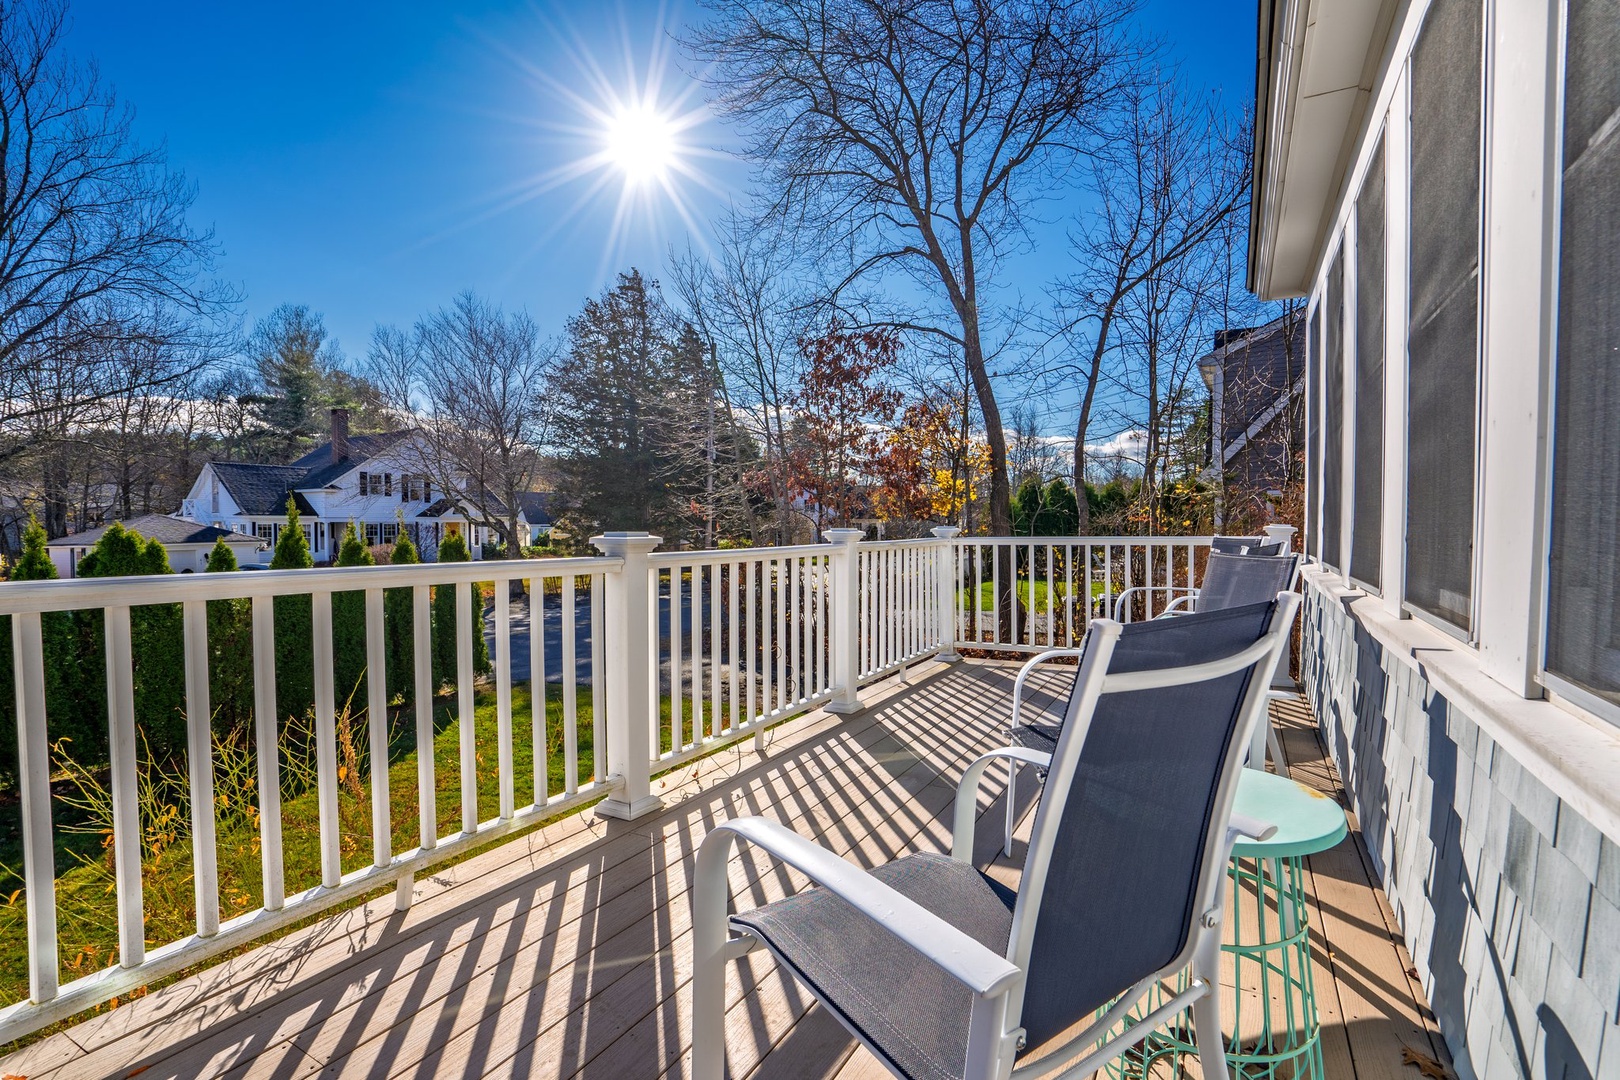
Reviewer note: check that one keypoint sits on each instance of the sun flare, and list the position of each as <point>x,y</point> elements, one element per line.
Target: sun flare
<point>640,142</point>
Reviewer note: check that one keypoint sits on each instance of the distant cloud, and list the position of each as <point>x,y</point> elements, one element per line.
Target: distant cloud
<point>1126,446</point>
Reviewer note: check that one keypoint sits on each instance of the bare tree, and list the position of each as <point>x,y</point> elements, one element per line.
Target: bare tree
<point>473,379</point>
<point>1163,186</point>
<point>88,218</point>
<point>914,134</point>
<point>744,303</point>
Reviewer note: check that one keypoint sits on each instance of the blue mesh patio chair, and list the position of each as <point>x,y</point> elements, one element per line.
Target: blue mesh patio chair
<point>944,973</point>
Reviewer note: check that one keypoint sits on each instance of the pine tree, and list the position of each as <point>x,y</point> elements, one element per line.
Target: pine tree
<point>399,617</point>
<point>295,650</point>
<point>156,644</point>
<point>453,548</point>
<point>349,626</point>
<point>230,650</point>
<point>61,660</point>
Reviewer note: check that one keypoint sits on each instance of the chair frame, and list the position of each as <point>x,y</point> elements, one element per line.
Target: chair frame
<point>997,981</point>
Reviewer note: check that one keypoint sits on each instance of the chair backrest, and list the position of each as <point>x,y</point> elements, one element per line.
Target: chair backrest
<point>1245,545</point>
<point>1125,852</point>
<point>1237,580</point>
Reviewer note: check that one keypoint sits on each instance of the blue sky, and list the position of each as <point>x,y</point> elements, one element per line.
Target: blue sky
<point>372,160</point>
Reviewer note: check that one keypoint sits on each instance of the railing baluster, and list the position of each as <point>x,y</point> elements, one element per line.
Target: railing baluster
<point>795,666</point>
<point>426,789</point>
<point>200,766</point>
<point>570,694</point>
<point>377,728</point>
<point>537,687</point>
<point>779,596</point>
<point>677,641</point>
<point>655,654</point>
<point>267,751</point>
<point>751,613</point>
<point>125,788</point>
<point>599,704</point>
<point>34,774</point>
<point>717,718</point>
<point>733,629</point>
<point>503,699</point>
<point>326,764</point>
<point>465,706</point>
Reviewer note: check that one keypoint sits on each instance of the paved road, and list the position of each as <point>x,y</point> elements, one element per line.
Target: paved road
<point>552,629</point>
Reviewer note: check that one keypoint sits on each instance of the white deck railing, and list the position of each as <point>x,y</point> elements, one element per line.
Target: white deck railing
<point>688,651</point>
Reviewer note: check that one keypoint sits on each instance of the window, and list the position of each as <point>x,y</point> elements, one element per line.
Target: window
<point>1583,579</point>
<point>1366,525</point>
<point>414,488</point>
<point>385,532</point>
<point>376,483</point>
<point>1313,452</point>
<point>1333,412</point>
<point>1443,312</point>
<point>266,530</point>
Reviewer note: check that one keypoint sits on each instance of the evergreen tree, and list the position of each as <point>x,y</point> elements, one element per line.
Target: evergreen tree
<point>230,650</point>
<point>156,644</point>
<point>349,626</point>
<point>61,661</point>
<point>618,399</point>
<point>399,617</point>
<point>295,650</point>
<point>453,548</point>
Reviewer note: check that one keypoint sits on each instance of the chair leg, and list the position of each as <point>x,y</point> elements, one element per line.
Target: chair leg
<point>709,955</point>
<point>1207,1009</point>
<point>1012,803</point>
<point>1275,747</point>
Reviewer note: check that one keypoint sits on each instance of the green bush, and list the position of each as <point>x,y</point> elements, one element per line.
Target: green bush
<point>156,645</point>
<point>61,663</point>
<point>399,618</point>
<point>295,646</point>
<point>453,548</point>
<point>230,650</point>
<point>349,625</point>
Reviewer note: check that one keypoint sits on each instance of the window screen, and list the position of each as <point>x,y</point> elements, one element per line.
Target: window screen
<point>1583,606</point>
<point>1366,527</point>
<point>1313,452</point>
<point>1442,345</point>
<point>1333,411</point>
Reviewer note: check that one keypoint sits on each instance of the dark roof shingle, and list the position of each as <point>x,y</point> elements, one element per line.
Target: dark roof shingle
<point>166,529</point>
<point>258,489</point>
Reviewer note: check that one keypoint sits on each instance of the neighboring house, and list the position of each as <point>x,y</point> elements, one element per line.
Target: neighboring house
<point>1256,380</point>
<point>371,480</point>
<point>187,543</point>
<point>536,510</point>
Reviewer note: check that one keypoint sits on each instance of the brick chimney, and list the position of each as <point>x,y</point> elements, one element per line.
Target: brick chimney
<point>340,435</point>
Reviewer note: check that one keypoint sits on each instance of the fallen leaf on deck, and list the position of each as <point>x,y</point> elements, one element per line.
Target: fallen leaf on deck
<point>1426,1065</point>
<point>1412,973</point>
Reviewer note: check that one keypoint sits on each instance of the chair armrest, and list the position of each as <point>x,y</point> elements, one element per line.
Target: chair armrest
<point>968,787</point>
<point>1251,827</point>
<point>1028,666</point>
<point>1121,597</point>
<point>980,969</point>
<point>1178,602</point>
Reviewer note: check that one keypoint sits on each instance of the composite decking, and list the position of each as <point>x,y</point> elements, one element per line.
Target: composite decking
<point>565,952</point>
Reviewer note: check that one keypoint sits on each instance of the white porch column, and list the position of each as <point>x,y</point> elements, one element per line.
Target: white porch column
<point>626,653</point>
<point>1282,534</point>
<point>945,582</point>
<point>846,618</point>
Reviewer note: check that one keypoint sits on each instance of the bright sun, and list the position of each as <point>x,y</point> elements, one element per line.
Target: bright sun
<point>640,142</point>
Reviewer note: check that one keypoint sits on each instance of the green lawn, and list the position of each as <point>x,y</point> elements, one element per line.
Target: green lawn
<point>1043,596</point>
<point>85,892</point>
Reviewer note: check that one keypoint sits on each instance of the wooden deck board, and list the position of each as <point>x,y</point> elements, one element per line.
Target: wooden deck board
<point>566,952</point>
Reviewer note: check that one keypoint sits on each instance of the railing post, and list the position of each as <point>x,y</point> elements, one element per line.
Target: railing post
<point>1282,534</point>
<point>945,583</point>
<point>846,618</point>
<point>627,654</point>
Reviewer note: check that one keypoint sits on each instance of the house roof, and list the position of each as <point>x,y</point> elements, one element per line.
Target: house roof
<point>319,469</point>
<point>166,529</point>
<point>536,507</point>
<point>258,489</point>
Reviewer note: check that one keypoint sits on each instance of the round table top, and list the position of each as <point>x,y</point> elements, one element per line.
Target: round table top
<point>1307,821</point>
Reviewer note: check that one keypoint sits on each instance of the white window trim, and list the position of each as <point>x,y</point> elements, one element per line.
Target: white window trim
<point>1397,281</point>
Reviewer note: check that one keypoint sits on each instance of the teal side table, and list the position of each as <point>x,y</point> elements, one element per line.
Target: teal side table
<point>1268,940</point>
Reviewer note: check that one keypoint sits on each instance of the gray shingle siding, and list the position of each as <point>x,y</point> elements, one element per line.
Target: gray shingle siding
<point>1508,900</point>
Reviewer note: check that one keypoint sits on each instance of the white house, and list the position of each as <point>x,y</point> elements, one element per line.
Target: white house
<point>372,480</point>
<point>1442,179</point>
<point>187,543</point>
